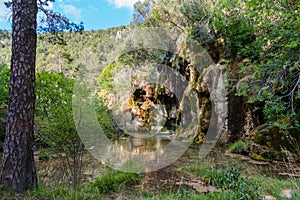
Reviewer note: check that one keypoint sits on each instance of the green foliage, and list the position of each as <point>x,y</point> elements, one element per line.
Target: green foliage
<point>267,184</point>
<point>44,155</point>
<point>274,187</point>
<point>62,192</point>
<point>231,179</point>
<point>54,121</point>
<point>141,11</point>
<point>263,36</point>
<point>106,78</point>
<point>162,13</point>
<point>114,180</point>
<point>107,123</point>
<point>227,20</point>
<point>54,192</point>
<point>54,124</point>
<point>5,47</point>
<point>53,114</point>
<point>190,194</point>
<point>238,147</point>
<point>275,72</point>
<point>4,85</point>
<point>64,52</point>
<point>261,39</point>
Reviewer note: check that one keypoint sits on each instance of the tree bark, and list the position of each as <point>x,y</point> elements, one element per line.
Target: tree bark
<point>18,170</point>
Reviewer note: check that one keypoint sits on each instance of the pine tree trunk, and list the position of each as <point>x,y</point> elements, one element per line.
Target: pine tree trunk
<point>18,171</point>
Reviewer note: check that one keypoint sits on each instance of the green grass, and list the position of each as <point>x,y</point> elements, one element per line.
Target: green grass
<point>109,183</point>
<point>274,186</point>
<point>238,147</point>
<point>114,180</point>
<point>189,194</point>
<point>268,185</point>
<point>44,155</point>
<point>236,186</point>
<point>229,180</point>
<point>63,192</point>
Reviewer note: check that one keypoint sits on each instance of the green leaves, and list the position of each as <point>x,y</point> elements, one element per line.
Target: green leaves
<point>54,121</point>
<point>4,85</point>
<point>263,38</point>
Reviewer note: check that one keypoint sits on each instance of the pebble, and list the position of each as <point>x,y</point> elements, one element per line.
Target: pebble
<point>269,197</point>
<point>287,193</point>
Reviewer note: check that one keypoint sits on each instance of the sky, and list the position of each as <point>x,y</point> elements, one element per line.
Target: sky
<point>95,14</point>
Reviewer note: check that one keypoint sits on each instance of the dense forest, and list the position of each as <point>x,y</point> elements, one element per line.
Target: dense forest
<point>245,94</point>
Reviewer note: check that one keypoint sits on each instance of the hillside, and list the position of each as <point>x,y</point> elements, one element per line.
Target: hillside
<point>62,52</point>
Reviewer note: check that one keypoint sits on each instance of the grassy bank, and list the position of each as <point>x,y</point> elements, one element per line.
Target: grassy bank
<point>219,176</point>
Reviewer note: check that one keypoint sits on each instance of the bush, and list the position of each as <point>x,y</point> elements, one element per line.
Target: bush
<point>54,124</point>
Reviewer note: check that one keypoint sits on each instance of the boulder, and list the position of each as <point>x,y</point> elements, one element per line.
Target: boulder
<point>270,136</point>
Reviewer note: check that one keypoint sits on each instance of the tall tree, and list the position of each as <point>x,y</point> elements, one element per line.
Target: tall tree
<point>18,170</point>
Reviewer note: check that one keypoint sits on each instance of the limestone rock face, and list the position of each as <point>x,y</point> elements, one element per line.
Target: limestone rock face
<point>187,92</point>
<point>154,107</point>
<point>215,78</point>
<point>189,111</point>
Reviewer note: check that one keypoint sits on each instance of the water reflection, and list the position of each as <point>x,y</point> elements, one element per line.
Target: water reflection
<point>139,154</point>
<point>138,145</point>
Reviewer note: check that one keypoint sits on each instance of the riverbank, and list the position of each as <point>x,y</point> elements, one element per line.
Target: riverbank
<point>220,175</point>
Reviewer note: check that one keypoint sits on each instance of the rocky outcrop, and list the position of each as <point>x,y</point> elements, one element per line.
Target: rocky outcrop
<point>268,135</point>
<point>265,143</point>
<point>153,106</point>
<point>187,93</point>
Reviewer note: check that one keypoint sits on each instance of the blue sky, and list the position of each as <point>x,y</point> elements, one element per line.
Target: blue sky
<point>95,14</point>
